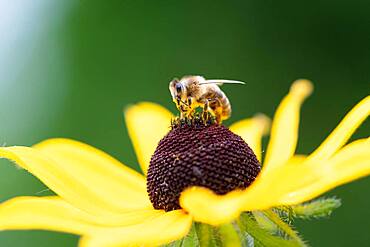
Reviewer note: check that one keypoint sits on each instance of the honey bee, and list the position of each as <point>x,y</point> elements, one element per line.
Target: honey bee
<point>191,92</point>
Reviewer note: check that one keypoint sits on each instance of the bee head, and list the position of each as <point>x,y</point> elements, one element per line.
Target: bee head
<point>178,91</point>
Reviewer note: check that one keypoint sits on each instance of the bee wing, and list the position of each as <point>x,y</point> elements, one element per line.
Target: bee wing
<point>219,82</point>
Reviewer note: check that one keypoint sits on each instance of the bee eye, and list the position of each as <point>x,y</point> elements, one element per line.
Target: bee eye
<point>178,88</point>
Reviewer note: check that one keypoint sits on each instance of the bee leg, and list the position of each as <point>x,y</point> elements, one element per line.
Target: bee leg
<point>190,110</point>
<point>205,111</point>
<point>218,119</point>
<point>190,101</point>
<point>182,115</point>
<point>216,108</point>
<point>190,113</point>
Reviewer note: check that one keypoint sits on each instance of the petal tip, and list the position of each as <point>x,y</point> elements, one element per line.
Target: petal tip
<point>143,105</point>
<point>302,88</point>
<point>263,121</point>
<point>143,108</point>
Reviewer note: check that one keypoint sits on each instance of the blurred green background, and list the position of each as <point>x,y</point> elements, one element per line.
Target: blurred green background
<point>67,69</point>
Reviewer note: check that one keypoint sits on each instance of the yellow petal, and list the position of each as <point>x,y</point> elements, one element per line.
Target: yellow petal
<point>44,213</point>
<point>55,214</point>
<point>350,163</point>
<point>147,124</point>
<point>265,191</point>
<point>284,130</point>
<point>82,175</point>
<point>343,131</point>
<point>207,207</point>
<point>252,130</point>
<point>163,229</point>
<point>298,181</point>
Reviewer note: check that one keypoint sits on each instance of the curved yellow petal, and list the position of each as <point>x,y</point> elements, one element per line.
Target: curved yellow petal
<point>265,191</point>
<point>207,207</point>
<point>284,130</point>
<point>109,178</point>
<point>252,130</point>
<point>43,213</point>
<point>343,131</point>
<point>82,175</point>
<point>55,214</point>
<point>147,123</point>
<point>301,180</point>
<point>350,163</point>
<point>163,229</point>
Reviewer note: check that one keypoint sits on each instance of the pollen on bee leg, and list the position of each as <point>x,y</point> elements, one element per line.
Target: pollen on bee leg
<point>197,154</point>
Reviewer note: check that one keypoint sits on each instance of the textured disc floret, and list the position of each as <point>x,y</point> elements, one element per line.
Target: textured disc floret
<point>198,154</point>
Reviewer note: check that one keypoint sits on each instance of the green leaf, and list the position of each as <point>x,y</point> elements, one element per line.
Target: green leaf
<point>189,240</point>
<point>207,235</point>
<point>285,213</point>
<point>261,237</point>
<point>265,222</point>
<point>285,229</point>
<point>316,209</point>
<point>177,243</point>
<point>229,236</point>
<point>246,240</point>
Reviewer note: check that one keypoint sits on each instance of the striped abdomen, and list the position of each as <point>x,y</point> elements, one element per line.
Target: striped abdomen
<point>218,102</point>
<point>226,106</point>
